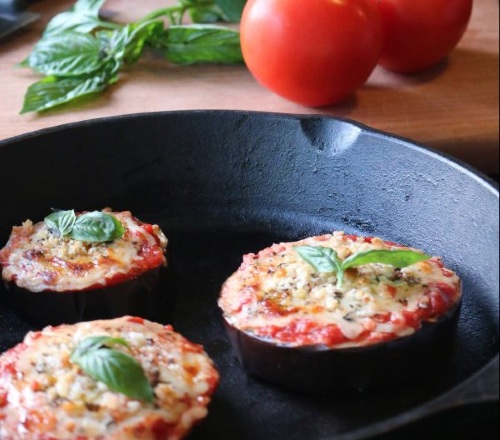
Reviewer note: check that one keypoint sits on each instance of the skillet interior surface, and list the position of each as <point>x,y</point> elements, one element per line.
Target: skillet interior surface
<point>221,184</point>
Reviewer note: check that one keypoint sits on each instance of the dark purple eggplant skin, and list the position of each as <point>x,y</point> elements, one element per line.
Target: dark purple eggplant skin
<point>135,296</point>
<point>319,369</point>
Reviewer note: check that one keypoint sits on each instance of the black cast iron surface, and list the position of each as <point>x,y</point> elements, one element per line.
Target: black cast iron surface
<point>221,184</point>
<point>14,16</point>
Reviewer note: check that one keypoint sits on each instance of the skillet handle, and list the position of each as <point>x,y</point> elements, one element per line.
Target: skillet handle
<point>482,387</point>
<point>479,395</point>
<point>480,390</point>
<point>12,6</point>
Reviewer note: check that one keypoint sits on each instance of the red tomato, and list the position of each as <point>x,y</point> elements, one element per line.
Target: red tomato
<point>313,52</point>
<point>419,33</point>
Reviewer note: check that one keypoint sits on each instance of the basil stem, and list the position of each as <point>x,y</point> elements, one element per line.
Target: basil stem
<point>325,259</point>
<point>117,370</point>
<point>202,11</point>
<point>91,227</point>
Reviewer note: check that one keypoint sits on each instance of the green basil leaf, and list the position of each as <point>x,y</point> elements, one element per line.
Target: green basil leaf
<point>395,257</point>
<point>97,227</point>
<point>89,6</point>
<point>323,259</point>
<point>142,34</point>
<point>127,44</point>
<point>61,221</point>
<point>52,90</point>
<point>93,343</point>
<point>77,64</point>
<point>197,3</point>
<point>68,54</point>
<point>72,21</point>
<point>113,43</point>
<point>83,17</point>
<point>190,44</point>
<point>139,35</point>
<point>121,373</point>
<point>232,9</point>
<point>117,370</point>
<point>206,14</point>
<point>23,63</point>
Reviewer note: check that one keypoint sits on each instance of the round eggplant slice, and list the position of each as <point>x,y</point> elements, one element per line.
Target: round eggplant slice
<point>320,369</point>
<point>340,311</point>
<point>139,295</point>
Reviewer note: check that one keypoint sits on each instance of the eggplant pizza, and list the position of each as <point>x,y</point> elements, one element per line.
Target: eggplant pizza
<point>125,378</point>
<point>337,298</point>
<point>76,266</point>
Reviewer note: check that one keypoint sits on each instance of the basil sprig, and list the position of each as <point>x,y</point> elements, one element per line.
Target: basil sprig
<point>325,259</point>
<point>91,227</point>
<point>117,370</point>
<point>81,55</point>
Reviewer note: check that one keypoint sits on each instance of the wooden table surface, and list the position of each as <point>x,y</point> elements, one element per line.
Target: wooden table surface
<point>452,107</point>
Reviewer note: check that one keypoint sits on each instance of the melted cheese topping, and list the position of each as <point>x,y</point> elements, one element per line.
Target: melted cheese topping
<point>278,296</point>
<point>43,395</point>
<point>37,259</point>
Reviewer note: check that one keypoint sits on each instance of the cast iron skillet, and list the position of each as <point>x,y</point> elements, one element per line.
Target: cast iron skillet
<point>224,183</point>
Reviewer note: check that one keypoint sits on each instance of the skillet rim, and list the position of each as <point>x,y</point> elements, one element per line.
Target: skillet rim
<point>410,143</point>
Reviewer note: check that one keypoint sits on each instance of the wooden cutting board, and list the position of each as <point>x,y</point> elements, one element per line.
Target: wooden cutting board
<point>452,107</point>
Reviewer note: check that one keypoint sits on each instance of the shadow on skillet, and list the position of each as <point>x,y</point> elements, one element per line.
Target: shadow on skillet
<point>221,184</point>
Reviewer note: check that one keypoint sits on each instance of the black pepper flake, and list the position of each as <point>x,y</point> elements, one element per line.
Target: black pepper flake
<point>155,379</point>
<point>348,317</point>
<point>94,407</point>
